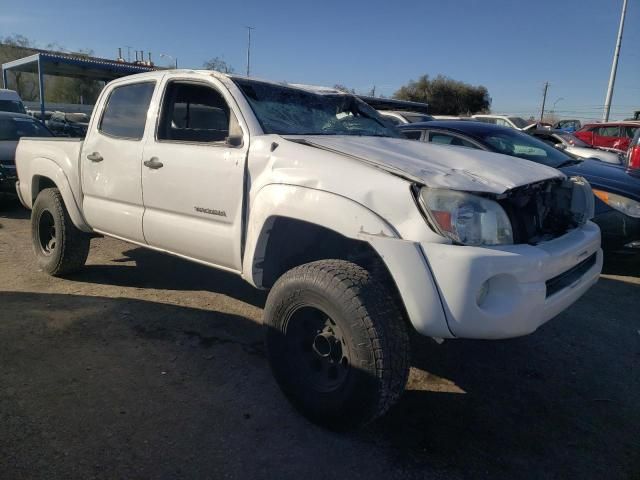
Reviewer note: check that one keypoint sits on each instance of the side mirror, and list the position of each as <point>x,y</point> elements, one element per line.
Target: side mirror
<point>560,146</point>
<point>234,140</point>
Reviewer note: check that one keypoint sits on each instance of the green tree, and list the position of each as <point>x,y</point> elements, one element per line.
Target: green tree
<point>446,96</point>
<point>25,83</point>
<point>343,88</point>
<point>218,64</point>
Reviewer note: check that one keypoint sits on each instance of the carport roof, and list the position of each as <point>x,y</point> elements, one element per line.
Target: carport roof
<point>75,66</point>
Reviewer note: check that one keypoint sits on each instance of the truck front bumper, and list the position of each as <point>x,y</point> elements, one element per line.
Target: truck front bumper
<point>509,291</point>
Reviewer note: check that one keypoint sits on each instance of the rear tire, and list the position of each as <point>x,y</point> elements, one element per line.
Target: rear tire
<point>337,343</point>
<point>59,246</point>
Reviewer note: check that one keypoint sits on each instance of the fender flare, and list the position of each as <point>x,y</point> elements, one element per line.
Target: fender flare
<point>45,167</point>
<point>310,205</point>
<point>403,258</point>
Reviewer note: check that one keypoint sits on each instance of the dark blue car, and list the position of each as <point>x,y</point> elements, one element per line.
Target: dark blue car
<point>617,188</point>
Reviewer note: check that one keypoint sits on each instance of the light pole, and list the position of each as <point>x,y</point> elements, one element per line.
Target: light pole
<point>175,60</point>
<point>249,49</point>
<point>614,65</point>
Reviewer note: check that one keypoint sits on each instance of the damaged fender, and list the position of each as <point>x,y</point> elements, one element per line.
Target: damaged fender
<point>319,207</point>
<point>403,258</point>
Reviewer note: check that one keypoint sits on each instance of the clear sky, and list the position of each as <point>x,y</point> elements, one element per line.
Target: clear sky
<point>510,46</point>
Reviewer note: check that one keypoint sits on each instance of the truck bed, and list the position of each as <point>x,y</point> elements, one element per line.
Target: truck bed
<point>55,157</point>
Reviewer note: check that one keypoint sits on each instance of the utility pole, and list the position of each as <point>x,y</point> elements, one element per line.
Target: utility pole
<point>544,99</point>
<point>614,65</point>
<point>249,49</point>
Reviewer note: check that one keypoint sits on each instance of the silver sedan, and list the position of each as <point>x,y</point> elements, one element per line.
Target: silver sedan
<point>574,146</point>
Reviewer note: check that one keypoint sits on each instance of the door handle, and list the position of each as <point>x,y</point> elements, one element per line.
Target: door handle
<point>95,157</point>
<point>154,163</point>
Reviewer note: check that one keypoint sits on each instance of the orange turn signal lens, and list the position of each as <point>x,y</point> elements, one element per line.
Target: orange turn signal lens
<point>443,219</point>
<point>604,196</point>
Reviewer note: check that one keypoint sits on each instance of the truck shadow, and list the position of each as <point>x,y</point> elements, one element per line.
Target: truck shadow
<point>11,208</point>
<point>103,379</point>
<point>144,268</point>
<point>627,264</point>
<point>550,402</point>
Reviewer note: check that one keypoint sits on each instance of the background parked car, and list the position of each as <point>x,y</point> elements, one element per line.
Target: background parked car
<point>402,118</point>
<point>517,123</point>
<point>633,153</point>
<point>399,112</point>
<point>69,124</point>
<point>568,125</point>
<point>450,117</point>
<point>10,101</point>
<point>615,135</point>
<point>571,144</point>
<point>616,188</point>
<point>13,126</point>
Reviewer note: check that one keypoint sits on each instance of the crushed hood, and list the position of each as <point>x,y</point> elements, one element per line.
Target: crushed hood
<point>456,168</point>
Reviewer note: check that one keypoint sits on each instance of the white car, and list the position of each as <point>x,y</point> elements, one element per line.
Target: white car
<point>399,117</point>
<point>573,145</point>
<point>360,235</point>
<point>518,123</point>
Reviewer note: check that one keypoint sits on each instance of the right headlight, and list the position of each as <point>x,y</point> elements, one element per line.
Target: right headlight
<point>620,203</point>
<point>466,218</point>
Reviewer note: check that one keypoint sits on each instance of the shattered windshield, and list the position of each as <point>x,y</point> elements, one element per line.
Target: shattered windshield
<point>292,111</point>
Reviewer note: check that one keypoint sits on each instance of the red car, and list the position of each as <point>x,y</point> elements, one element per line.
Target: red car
<point>616,135</point>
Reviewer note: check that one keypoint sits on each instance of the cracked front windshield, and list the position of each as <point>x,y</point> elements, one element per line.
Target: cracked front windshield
<point>293,111</point>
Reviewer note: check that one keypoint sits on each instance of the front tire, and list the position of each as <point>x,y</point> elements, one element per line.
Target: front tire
<point>59,246</point>
<point>337,343</point>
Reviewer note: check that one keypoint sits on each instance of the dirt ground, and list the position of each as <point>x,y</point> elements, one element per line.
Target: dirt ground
<point>147,366</point>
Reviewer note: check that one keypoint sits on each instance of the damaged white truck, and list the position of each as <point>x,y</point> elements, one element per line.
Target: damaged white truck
<point>360,235</point>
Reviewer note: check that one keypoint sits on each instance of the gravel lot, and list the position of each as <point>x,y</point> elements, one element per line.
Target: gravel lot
<point>146,366</point>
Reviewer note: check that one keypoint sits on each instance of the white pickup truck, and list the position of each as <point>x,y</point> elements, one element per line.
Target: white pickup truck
<point>360,235</point>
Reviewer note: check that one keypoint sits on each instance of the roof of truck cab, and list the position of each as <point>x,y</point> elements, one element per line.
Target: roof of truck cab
<point>309,88</point>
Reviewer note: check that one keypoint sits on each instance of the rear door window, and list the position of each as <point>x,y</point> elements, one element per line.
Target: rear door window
<point>125,114</point>
<point>486,120</point>
<point>611,131</point>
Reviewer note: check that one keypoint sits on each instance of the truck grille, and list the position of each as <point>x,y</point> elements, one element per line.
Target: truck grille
<point>540,212</point>
<point>555,284</point>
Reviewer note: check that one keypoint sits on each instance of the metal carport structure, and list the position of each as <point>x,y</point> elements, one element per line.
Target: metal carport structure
<point>73,66</point>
